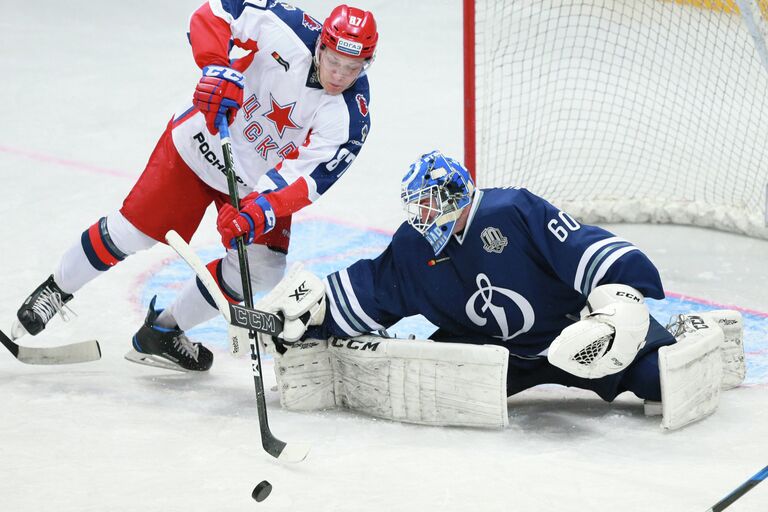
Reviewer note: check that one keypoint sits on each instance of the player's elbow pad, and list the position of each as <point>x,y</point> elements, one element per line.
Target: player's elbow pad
<point>607,339</point>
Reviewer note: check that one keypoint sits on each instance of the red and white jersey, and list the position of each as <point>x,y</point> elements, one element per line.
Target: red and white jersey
<point>290,137</point>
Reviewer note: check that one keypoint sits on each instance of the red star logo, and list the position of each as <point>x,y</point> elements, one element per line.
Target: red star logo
<point>281,116</point>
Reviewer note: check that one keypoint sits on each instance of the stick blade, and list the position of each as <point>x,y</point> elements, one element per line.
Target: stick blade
<point>82,352</point>
<point>294,452</point>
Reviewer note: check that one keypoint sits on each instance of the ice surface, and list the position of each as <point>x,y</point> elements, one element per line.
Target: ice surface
<point>87,89</point>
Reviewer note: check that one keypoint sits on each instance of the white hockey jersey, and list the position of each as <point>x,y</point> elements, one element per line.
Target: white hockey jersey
<point>290,137</point>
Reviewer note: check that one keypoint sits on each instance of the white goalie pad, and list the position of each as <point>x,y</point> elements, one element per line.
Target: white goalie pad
<point>732,347</point>
<point>413,381</point>
<point>691,373</point>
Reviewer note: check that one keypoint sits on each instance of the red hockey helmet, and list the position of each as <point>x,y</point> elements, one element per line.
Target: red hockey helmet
<point>350,31</point>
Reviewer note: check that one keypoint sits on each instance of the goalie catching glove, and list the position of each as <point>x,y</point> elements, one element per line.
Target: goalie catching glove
<point>606,340</point>
<point>299,298</point>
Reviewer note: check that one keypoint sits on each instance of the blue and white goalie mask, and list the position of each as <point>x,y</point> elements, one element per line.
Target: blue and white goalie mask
<point>434,193</point>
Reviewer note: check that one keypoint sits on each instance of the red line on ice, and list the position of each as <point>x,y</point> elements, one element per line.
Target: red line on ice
<point>81,166</point>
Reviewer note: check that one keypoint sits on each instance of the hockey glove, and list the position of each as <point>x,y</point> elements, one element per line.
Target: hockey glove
<point>607,338</point>
<point>300,299</point>
<point>255,218</point>
<point>219,95</point>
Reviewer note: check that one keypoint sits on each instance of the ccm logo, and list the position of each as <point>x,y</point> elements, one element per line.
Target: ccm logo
<point>355,344</point>
<point>698,323</point>
<point>630,296</point>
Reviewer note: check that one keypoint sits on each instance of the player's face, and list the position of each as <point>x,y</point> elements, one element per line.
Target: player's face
<point>428,208</point>
<point>337,72</point>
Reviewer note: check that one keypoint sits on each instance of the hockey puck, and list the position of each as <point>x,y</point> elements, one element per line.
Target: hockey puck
<point>261,491</point>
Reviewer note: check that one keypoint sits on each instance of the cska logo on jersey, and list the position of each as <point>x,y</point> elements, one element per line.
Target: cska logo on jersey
<point>311,23</point>
<point>493,240</point>
<point>281,116</point>
<point>362,105</point>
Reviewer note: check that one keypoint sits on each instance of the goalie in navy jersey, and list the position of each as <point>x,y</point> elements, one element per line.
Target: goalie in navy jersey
<point>297,103</point>
<point>517,288</point>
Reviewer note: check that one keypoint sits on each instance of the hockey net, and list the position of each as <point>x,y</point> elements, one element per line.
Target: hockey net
<point>623,110</point>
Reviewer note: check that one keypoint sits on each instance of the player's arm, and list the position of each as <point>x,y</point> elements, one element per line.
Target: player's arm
<point>213,29</point>
<point>216,26</point>
<point>583,256</point>
<point>614,276</point>
<point>305,174</point>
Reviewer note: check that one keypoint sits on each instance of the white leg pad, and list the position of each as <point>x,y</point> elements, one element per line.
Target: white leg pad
<point>691,373</point>
<point>413,381</point>
<point>732,347</point>
<point>305,377</point>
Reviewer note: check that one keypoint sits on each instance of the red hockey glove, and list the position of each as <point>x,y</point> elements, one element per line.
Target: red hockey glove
<point>219,95</point>
<point>255,218</point>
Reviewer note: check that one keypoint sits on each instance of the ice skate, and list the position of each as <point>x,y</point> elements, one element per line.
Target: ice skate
<point>39,308</point>
<point>167,348</point>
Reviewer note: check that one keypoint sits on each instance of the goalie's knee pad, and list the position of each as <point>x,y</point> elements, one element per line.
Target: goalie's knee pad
<point>413,381</point>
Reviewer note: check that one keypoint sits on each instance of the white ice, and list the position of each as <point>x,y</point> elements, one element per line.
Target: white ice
<point>87,88</point>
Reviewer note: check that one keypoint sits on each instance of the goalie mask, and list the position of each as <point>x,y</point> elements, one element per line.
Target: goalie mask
<point>434,193</point>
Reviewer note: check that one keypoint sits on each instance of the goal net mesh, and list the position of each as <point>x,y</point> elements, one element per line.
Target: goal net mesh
<point>627,110</point>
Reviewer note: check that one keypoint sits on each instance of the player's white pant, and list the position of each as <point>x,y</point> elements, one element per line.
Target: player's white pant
<point>114,238</point>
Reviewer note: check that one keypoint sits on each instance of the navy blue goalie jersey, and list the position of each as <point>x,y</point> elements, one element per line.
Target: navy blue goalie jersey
<point>517,275</point>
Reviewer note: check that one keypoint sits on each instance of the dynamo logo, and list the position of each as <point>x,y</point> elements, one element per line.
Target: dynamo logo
<point>484,296</point>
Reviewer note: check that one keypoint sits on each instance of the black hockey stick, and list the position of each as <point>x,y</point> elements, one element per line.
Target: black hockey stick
<point>271,444</point>
<point>238,316</point>
<point>739,491</point>
<point>82,352</point>
<point>255,320</point>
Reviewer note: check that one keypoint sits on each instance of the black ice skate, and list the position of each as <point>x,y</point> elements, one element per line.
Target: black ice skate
<point>167,348</point>
<point>35,313</point>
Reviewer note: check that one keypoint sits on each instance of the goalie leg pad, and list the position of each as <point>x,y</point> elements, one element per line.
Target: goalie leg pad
<point>413,381</point>
<point>691,373</point>
<point>732,347</point>
<point>305,378</point>
<point>424,382</point>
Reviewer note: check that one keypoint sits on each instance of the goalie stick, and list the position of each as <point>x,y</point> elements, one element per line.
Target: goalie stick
<point>739,491</point>
<point>81,352</point>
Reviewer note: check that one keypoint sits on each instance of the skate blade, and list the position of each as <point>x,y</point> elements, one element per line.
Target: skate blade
<point>154,361</point>
<point>17,330</point>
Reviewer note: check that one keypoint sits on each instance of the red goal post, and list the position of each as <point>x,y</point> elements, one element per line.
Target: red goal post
<point>623,111</point>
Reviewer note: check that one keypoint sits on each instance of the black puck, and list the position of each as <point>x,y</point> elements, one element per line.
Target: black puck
<point>261,491</point>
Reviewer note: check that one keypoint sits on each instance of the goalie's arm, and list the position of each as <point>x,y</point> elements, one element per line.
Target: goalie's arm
<point>364,297</point>
<point>583,256</point>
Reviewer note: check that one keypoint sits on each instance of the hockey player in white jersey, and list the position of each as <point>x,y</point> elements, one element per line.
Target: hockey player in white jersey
<point>522,294</point>
<point>298,107</point>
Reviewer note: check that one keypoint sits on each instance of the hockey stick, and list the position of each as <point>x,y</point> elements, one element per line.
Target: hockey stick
<point>271,444</point>
<point>82,352</point>
<point>739,491</point>
<point>238,316</point>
